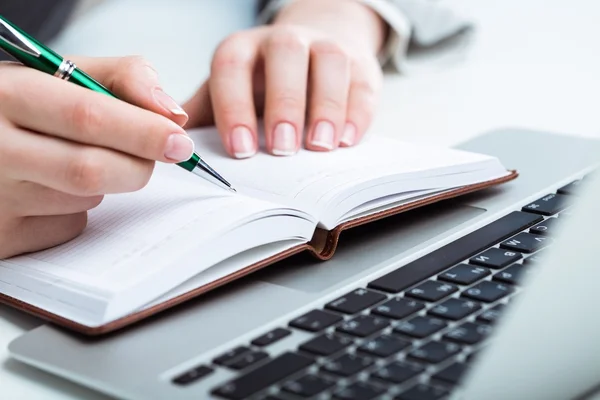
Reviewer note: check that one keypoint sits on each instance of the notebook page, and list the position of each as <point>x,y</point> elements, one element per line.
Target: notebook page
<point>126,228</point>
<point>314,178</point>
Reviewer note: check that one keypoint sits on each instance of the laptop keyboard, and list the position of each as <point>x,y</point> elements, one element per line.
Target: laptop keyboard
<point>410,334</point>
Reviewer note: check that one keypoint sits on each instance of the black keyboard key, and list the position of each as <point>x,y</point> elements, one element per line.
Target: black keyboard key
<point>535,258</point>
<point>355,301</point>
<point>226,358</point>
<point>316,320</point>
<point>326,345</point>
<point>398,308</point>
<point>398,372</point>
<point>512,274</point>
<point>546,227</point>
<point>264,376</point>
<point>420,327</point>
<point>271,397</point>
<point>383,346</point>
<point>487,291</point>
<point>496,258</point>
<point>193,375</point>
<point>548,205</point>
<point>452,374</point>
<point>434,352</point>
<point>464,274</point>
<point>363,325</point>
<point>473,355</point>
<point>359,391</point>
<point>347,365</point>
<point>453,253</point>
<point>573,188</point>
<point>455,309</point>
<point>271,337</point>
<point>491,315</point>
<point>468,333</point>
<point>432,290</point>
<point>422,392</point>
<point>308,386</point>
<point>526,242</point>
<point>247,360</point>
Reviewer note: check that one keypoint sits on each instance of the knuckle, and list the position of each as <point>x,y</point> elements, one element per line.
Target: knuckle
<point>86,119</point>
<point>86,173</point>
<point>289,102</point>
<point>331,105</point>
<point>364,87</point>
<point>131,64</point>
<point>287,39</point>
<point>131,68</point>
<point>239,111</point>
<point>232,53</point>
<point>329,48</point>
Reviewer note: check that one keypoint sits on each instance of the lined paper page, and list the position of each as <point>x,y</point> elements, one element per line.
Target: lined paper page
<point>126,227</point>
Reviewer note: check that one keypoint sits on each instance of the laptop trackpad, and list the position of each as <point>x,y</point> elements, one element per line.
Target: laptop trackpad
<point>369,245</point>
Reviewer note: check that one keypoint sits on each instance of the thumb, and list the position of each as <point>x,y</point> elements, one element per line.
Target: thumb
<point>132,79</point>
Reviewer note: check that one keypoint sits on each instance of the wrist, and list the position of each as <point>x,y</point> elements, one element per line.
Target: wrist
<point>349,20</point>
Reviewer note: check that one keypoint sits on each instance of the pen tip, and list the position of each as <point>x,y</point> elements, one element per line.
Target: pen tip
<point>232,189</point>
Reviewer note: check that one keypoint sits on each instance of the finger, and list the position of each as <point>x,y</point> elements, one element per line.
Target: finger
<point>199,108</point>
<point>38,233</point>
<point>286,69</point>
<point>231,94</point>
<point>362,101</point>
<point>329,84</point>
<point>37,200</point>
<point>43,103</point>
<point>134,80</point>
<point>72,168</point>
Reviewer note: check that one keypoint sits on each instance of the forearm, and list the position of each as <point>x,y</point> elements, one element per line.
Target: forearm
<point>355,22</point>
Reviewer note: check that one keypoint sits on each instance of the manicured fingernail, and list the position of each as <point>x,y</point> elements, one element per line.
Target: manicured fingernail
<point>168,103</point>
<point>180,147</point>
<point>323,136</point>
<point>284,140</point>
<point>242,142</point>
<point>349,135</point>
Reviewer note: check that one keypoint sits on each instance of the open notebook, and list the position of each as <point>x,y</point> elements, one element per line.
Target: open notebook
<point>180,236</point>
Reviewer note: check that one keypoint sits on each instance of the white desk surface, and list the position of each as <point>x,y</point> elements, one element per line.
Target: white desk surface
<point>531,64</point>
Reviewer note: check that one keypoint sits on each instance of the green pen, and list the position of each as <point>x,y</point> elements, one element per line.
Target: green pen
<point>32,53</point>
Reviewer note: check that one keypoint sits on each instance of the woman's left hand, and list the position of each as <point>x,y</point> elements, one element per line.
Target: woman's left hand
<point>314,69</point>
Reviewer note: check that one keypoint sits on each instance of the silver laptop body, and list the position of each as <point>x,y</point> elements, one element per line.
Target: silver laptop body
<point>546,347</point>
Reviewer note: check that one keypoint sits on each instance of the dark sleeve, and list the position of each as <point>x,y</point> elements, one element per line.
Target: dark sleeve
<point>42,19</point>
<point>262,4</point>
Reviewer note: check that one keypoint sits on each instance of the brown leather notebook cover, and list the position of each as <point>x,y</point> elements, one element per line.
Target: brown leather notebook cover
<point>322,246</point>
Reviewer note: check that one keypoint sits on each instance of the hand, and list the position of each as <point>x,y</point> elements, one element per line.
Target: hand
<point>304,72</point>
<point>62,147</point>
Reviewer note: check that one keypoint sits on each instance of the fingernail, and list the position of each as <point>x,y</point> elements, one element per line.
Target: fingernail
<point>180,147</point>
<point>168,103</point>
<point>323,136</point>
<point>349,135</point>
<point>242,142</point>
<point>284,140</point>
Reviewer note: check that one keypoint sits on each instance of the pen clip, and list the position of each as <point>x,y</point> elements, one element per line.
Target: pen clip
<point>11,36</point>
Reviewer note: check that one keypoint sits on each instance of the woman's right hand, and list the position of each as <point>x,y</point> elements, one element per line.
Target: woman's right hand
<point>63,147</point>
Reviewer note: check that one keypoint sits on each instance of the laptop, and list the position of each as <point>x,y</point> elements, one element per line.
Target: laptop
<point>489,296</point>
